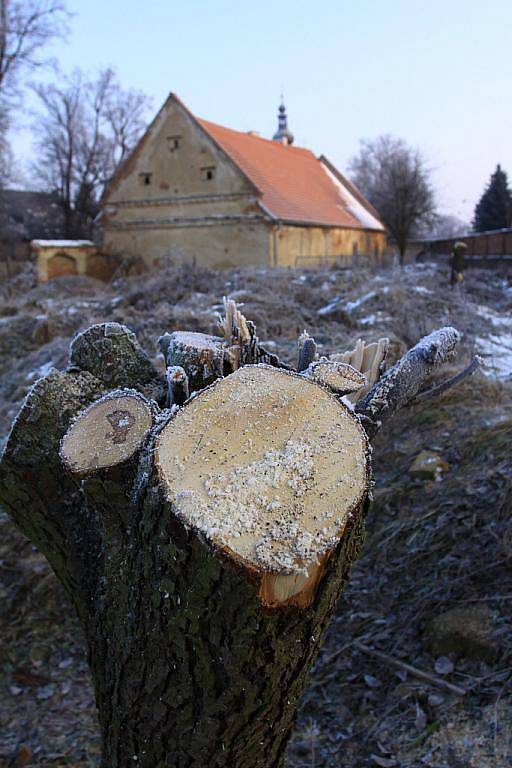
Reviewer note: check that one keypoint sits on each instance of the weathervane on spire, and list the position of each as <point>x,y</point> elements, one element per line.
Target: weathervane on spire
<point>283,134</point>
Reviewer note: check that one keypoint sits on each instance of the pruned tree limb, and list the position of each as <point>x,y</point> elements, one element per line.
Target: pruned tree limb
<point>403,381</point>
<point>369,359</point>
<point>46,503</point>
<point>307,351</point>
<point>101,450</point>
<point>178,389</point>
<point>203,358</point>
<point>241,337</point>
<point>112,353</point>
<point>452,382</point>
<point>340,378</point>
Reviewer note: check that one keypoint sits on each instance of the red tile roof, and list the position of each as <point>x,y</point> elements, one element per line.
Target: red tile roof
<point>295,186</point>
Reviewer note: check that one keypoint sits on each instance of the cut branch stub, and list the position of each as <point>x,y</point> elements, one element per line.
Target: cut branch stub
<point>267,466</point>
<point>177,386</point>
<point>111,352</point>
<point>369,358</point>
<point>341,378</point>
<point>401,383</point>
<point>307,351</point>
<point>107,433</point>
<point>204,358</point>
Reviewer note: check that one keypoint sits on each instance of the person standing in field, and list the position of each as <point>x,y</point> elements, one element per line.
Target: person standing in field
<point>458,263</point>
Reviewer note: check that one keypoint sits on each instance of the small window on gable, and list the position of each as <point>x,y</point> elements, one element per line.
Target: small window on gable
<point>173,143</point>
<point>208,173</point>
<point>145,179</point>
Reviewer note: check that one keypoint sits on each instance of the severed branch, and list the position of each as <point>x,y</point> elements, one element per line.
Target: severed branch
<point>112,353</point>
<point>369,358</point>
<point>307,351</point>
<point>449,383</point>
<point>413,671</point>
<point>44,502</point>
<point>177,386</point>
<point>340,378</point>
<point>242,340</point>
<point>102,448</point>
<point>403,381</point>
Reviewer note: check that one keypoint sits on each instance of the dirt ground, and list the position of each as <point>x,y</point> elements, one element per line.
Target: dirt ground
<point>434,544</point>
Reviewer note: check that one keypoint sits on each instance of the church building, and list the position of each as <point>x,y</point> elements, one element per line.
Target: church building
<point>196,192</point>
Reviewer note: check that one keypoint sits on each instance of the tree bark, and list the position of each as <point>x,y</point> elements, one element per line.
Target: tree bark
<point>197,658</point>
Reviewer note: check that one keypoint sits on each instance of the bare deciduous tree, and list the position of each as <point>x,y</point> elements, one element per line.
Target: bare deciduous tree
<point>26,28</point>
<point>395,179</point>
<point>84,131</point>
<point>5,149</point>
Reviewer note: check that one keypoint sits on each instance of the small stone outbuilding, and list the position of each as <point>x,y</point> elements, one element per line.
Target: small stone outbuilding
<point>193,191</point>
<point>59,258</point>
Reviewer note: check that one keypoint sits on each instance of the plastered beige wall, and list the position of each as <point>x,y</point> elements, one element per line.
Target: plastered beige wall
<point>208,246</point>
<point>181,214</point>
<point>293,246</point>
<point>177,172</point>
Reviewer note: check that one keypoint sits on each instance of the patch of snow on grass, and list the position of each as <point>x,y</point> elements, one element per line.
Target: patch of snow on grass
<point>496,352</point>
<point>351,305</point>
<point>377,317</point>
<point>421,289</point>
<point>494,317</point>
<point>370,320</point>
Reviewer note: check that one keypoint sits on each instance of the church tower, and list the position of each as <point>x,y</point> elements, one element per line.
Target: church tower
<point>283,134</point>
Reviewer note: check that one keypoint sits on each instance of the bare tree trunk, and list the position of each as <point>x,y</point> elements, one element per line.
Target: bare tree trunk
<point>201,632</point>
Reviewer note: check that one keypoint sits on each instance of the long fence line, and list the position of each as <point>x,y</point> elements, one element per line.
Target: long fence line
<point>483,247</point>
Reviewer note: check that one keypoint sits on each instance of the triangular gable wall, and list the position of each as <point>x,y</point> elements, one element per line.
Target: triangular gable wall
<point>157,168</point>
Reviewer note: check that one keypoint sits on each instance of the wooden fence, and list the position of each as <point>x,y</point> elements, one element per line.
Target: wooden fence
<point>484,248</point>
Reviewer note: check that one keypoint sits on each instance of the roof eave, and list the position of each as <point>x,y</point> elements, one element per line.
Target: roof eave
<point>352,189</point>
<point>326,225</point>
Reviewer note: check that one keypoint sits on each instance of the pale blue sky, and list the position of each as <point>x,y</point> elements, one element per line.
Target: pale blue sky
<point>437,72</point>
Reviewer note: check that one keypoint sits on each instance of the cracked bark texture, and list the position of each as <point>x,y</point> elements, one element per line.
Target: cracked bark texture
<point>189,669</point>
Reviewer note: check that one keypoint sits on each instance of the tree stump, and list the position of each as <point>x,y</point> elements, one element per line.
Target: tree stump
<point>204,546</point>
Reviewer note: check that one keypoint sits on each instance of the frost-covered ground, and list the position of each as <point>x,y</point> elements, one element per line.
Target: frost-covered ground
<point>431,545</point>
<point>337,306</point>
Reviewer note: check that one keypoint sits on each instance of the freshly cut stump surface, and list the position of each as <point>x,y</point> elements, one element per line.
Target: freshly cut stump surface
<point>107,433</point>
<point>268,466</point>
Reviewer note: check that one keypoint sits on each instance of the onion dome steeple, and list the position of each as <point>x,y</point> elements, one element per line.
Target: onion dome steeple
<point>283,134</point>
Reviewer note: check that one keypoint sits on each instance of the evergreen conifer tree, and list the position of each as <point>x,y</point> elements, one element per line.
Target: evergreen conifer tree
<point>494,210</point>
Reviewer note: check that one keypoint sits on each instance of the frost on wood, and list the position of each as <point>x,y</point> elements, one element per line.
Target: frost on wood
<point>111,352</point>
<point>369,359</point>
<point>341,378</point>
<point>178,388</point>
<point>306,350</point>
<point>401,384</point>
<point>267,466</point>
<point>204,358</point>
<point>107,433</point>
<point>242,340</point>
